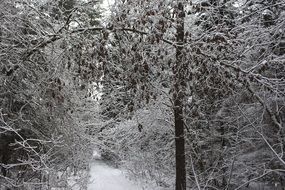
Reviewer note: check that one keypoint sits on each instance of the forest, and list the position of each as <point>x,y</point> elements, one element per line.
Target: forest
<point>185,94</point>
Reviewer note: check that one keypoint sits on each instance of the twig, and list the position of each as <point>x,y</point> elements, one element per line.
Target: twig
<point>263,137</point>
<point>194,172</point>
<point>56,37</point>
<point>253,180</point>
<point>231,172</point>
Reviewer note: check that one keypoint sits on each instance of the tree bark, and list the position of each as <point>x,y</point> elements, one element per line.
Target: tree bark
<point>178,97</point>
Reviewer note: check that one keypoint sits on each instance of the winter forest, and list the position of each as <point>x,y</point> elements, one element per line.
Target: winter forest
<point>170,94</point>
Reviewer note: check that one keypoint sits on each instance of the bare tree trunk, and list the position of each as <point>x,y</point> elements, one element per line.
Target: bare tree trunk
<point>178,103</point>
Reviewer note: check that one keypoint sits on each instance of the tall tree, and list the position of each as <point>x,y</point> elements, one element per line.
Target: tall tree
<point>178,100</point>
<point>147,65</point>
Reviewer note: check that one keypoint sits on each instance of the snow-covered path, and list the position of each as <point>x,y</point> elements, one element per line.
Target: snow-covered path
<point>104,177</point>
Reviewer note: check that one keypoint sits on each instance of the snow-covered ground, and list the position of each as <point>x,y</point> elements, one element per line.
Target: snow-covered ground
<point>104,177</point>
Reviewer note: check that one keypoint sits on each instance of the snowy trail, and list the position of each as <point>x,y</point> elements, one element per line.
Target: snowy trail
<point>104,177</point>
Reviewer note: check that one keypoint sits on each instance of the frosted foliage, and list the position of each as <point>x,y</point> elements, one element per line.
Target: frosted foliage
<point>231,75</point>
<point>149,132</point>
<point>180,94</point>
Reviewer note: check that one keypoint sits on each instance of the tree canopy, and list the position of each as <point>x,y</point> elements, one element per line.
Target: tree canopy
<point>186,94</point>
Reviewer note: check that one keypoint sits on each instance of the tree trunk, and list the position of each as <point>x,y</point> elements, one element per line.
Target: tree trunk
<point>178,97</point>
<point>180,148</point>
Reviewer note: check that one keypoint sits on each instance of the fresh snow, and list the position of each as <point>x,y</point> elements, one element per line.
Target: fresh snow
<point>104,177</point>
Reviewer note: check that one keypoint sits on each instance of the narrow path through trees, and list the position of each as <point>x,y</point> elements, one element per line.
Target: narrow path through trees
<point>104,177</point>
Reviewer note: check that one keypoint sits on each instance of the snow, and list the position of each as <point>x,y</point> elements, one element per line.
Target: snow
<point>104,177</point>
